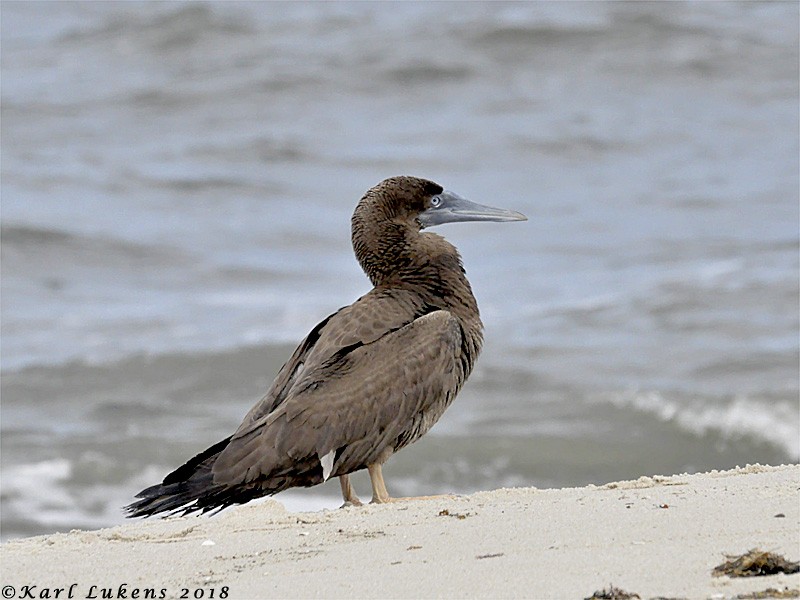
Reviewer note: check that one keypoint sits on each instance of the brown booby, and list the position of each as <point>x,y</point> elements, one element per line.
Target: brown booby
<point>370,379</point>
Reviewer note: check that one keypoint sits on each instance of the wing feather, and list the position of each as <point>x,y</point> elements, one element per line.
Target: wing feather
<point>362,322</point>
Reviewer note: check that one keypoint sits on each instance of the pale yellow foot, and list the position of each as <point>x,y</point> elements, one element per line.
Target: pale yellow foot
<point>435,497</point>
<point>412,498</point>
<point>381,496</point>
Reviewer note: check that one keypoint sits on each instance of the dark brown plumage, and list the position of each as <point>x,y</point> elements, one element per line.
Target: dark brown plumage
<point>368,380</point>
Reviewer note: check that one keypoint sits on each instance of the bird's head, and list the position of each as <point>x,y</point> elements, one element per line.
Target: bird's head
<point>389,217</point>
<point>425,203</point>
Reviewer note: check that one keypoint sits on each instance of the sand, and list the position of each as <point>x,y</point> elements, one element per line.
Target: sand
<point>656,537</point>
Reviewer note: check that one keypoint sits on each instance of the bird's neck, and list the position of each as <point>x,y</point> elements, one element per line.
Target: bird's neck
<point>398,256</point>
<point>424,271</point>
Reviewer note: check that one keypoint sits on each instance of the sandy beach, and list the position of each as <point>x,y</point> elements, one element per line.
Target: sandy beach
<point>655,537</point>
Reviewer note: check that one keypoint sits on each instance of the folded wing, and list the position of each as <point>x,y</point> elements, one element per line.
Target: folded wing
<point>363,403</point>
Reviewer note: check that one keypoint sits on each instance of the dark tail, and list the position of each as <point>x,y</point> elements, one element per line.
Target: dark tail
<point>188,489</point>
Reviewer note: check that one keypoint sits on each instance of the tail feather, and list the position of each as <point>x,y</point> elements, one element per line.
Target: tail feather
<point>189,488</point>
<point>189,468</point>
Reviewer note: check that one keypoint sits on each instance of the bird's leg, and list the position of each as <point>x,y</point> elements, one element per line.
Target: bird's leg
<point>348,493</point>
<point>379,493</point>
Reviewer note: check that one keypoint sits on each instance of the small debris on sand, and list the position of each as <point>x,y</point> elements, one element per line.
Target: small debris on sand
<point>770,593</point>
<point>612,593</point>
<point>755,563</point>
<point>447,513</point>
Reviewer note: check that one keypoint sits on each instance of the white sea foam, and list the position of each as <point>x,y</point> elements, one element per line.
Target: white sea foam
<point>774,422</point>
<point>36,490</point>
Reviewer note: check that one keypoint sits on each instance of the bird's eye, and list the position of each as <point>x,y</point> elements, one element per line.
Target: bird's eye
<point>436,201</point>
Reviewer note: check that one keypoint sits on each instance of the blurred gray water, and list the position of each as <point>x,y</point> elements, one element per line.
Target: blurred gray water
<point>177,183</point>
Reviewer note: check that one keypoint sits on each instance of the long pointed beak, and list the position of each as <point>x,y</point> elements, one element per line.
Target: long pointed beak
<point>449,207</point>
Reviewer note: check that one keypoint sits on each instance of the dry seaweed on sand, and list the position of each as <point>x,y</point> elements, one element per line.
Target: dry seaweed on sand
<point>612,593</point>
<point>770,593</point>
<point>755,563</point>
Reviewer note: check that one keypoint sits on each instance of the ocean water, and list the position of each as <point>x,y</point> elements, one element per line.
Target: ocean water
<point>177,181</point>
